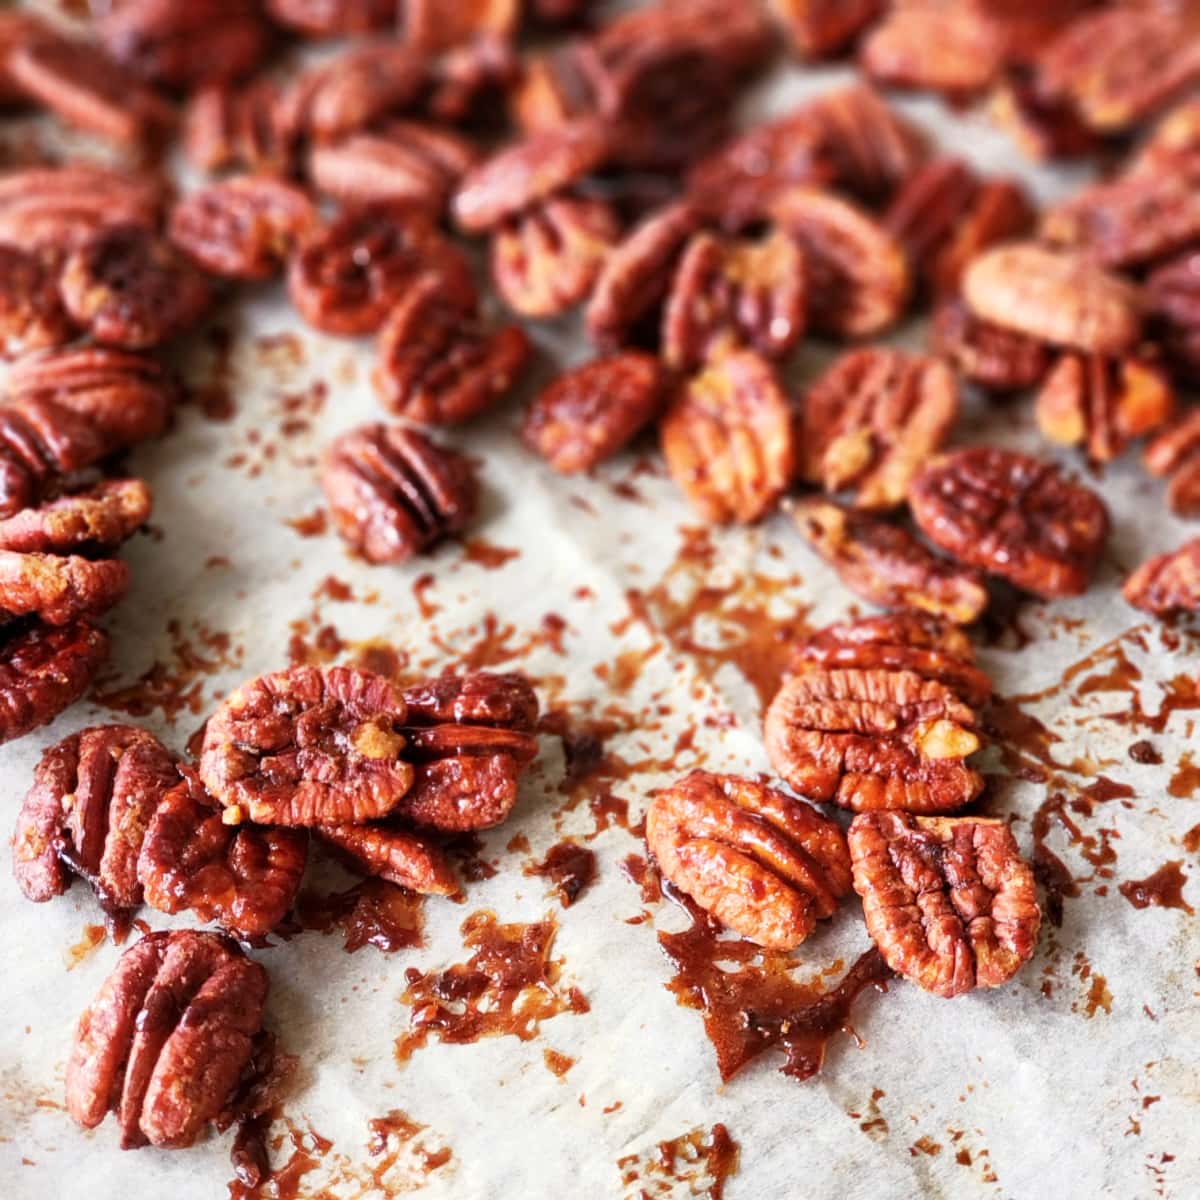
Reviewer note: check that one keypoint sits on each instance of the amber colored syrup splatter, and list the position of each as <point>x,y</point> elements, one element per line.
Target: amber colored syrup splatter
<point>557,1063</point>
<point>484,554</point>
<point>1162,889</point>
<point>93,937</point>
<point>310,524</point>
<point>700,1161</point>
<point>570,868</point>
<point>372,913</point>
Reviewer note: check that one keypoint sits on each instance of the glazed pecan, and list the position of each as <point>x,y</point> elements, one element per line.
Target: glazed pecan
<point>886,565</point>
<point>547,259</point>
<point>347,277</point>
<point>307,747</point>
<point>728,293</point>
<point>92,797</point>
<point>250,128</point>
<point>949,901</point>
<point>765,865</point>
<point>1102,403</point>
<point>858,276</point>
<point>31,313</point>
<point>245,877</point>
<point>1175,455</point>
<point>1173,148</point>
<point>166,1039</point>
<point>872,420</point>
<point>993,357</point>
<point>242,228</point>
<point>728,439</point>
<point>1057,296</point>
<point>15,28</point>
<point>332,18</point>
<point>59,588</point>
<point>1173,300</point>
<point>432,26</point>
<point>438,364</point>
<point>129,288</point>
<point>587,414</point>
<point>823,28</point>
<point>100,518</point>
<point>1167,583</point>
<point>393,493</point>
<point>395,855</point>
<point>1014,516</point>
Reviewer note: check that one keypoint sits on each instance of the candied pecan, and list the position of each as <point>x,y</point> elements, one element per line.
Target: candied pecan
<point>1173,148</point>
<point>308,747</point>
<point>478,697</point>
<point>1167,583</point>
<point>587,414</point>
<point>347,277</point>
<point>332,18</point>
<point>15,28</point>
<point>432,26</point>
<point>92,797</point>
<point>130,289</point>
<point>1103,403</point>
<point>1044,127</point>
<point>395,855</point>
<point>393,493</point>
<point>242,228</point>
<point>1175,455</point>
<point>1173,300</point>
<point>764,864</point>
<point>438,364</point>
<point>1057,296</point>
<point>886,565</point>
<point>250,128</point>
<point>1012,515</point>
<point>547,259</point>
<point>59,588</point>
<point>993,357</point>
<point>858,276</point>
<point>31,313</point>
<point>872,420</point>
<point>823,28</point>
<point>243,876</point>
<point>166,1039</point>
<point>728,439</point>
<point>728,293</point>
<point>100,518</point>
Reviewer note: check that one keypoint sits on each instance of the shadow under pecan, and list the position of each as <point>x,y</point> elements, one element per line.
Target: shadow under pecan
<point>86,814</point>
<point>1175,455</point>
<point>949,901</point>
<point>165,1041</point>
<point>432,26</point>
<point>332,18</point>
<point>1173,300</point>
<point>100,518</point>
<point>308,747</point>
<point>32,316</point>
<point>393,493</point>
<point>765,865</point>
<point>995,358</point>
<point>58,588</point>
<point>395,855</point>
<point>820,29</point>
<point>250,128</point>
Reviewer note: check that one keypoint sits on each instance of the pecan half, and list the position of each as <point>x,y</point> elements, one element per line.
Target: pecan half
<point>1175,455</point>
<point>166,1039</point>
<point>1014,516</point>
<point>92,797</point>
<point>393,493</point>
<point>32,316</point>
<point>765,865</point>
<point>1167,583</point>
<point>333,18</point>
<point>432,26</point>
<point>59,588</point>
<point>308,747</point>
<point>823,28</point>
<point>100,518</point>
<point>871,422</point>
<point>249,128</point>
<point>886,565</point>
<point>728,439</point>
<point>998,359</point>
<point>395,855</point>
<point>588,414</point>
<point>1173,300</point>
<point>949,901</point>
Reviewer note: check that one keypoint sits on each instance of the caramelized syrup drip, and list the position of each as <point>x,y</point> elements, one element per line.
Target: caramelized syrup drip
<point>395,1137</point>
<point>372,913</point>
<point>1163,889</point>
<point>569,867</point>
<point>699,1159</point>
<point>557,1063</point>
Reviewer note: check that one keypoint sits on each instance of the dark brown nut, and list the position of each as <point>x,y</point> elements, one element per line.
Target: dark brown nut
<point>1173,148</point>
<point>858,277</point>
<point>242,228</point>
<point>728,293</point>
<point>1173,300</point>
<point>729,441</point>
<point>590,413</point>
<point>31,313</point>
<point>347,277</point>
<point>333,18</point>
<point>886,565</point>
<point>393,493</point>
<point>244,876</point>
<point>129,288</point>
<point>871,422</point>
<point>1167,583</point>
<point>546,261</point>
<point>1057,296</point>
<point>765,865</point>
<point>1014,516</point>
<point>1175,454</point>
<point>1044,127</point>
<point>100,518</point>
<point>432,26</point>
<point>308,747</point>
<point>166,1039</point>
<point>438,364</point>
<point>476,698</point>
<point>250,128</point>
<point>995,358</point>
<point>59,588</point>
<point>823,28</point>
<point>949,901</point>
<point>529,171</point>
<point>1102,403</point>
<point>92,797</point>
<point>395,855</point>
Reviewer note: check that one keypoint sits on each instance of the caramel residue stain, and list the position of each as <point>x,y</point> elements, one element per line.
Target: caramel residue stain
<point>405,1155</point>
<point>1191,840</point>
<point>93,937</point>
<point>1186,777</point>
<point>926,1146</point>
<point>426,607</point>
<point>570,868</point>
<point>258,1180</point>
<point>372,913</point>
<point>697,1163</point>
<point>508,987</point>
<point>557,1063</point>
<point>1098,997</point>
<point>484,554</point>
<point>214,396</point>
<point>1162,889</point>
<point>645,875</point>
<point>312,524</point>
<point>871,1120</point>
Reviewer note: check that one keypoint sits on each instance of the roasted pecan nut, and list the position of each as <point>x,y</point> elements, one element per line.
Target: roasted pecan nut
<point>393,493</point>
<point>1173,300</point>
<point>438,364</point>
<point>92,797</point>
<point>998,359</point>
<point>395,855</point>
<point>241,228</point>
<point>886,565</point>
<point>332,18</point>
<point>588,414</point>
<point>100,518</point>
<point>1057,296</point>
<point>59,588</point>
<point>1014,516</point>
<point>871,422</point>
<point>308,747</point>
<point>474,698</point>
<point>858,275</point>
<point>245,876</point>
<point>1167,583</point>
<point>1175,454</point>
<point>823,28</point>
<point>32,316</point>
<point>15,28</point>
<point>129,288</point>
<point>249,128</point>
<point>547,259</point>
<point>765,865</point>
<point>166,1039</point>
<point>728,439</point>
<point>949,901</point>
<point>432,26</point>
